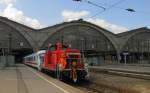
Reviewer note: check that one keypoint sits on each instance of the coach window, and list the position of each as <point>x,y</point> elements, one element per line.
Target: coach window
<point>42,58</point>
<point>32,58</point>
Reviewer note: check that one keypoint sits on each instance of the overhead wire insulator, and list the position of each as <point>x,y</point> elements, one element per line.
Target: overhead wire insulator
<point>77,0</point>
<point>130,10</point>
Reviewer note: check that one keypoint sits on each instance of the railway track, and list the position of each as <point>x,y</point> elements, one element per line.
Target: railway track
<point>99,87</point>
<point>84,85</point>
<point>125,73</point>
<point>90,87</point>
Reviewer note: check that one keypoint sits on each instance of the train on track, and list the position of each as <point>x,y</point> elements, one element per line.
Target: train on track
<point>61,60</point>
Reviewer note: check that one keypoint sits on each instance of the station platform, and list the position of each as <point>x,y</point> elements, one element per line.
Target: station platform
<point>23,79</point>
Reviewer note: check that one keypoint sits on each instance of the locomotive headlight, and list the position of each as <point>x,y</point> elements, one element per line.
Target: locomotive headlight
<point>60,65</point>
<point>74,63</point>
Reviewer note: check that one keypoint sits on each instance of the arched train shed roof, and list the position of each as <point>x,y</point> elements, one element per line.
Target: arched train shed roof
<point>52,30</point>
<point>37,37</point>
<point>21,29</point>
<point>125,36</point>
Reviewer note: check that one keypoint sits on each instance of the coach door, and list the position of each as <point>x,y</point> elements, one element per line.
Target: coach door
<point>41,56</point>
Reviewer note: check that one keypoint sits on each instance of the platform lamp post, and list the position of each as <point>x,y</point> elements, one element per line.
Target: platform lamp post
<point>109,52</point>
<point>82,42</point>
<point>9,43</point>
<point>82,49</point>
<point>62,39</point>
<point>9,37</point>
<point>139,52</point>
<point>142,51</point>
<point>148,50</point>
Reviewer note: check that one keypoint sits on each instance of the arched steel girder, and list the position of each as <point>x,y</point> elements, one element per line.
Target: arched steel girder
<point>83,24</point>
<point>25,35</point>
<point>132,35</point>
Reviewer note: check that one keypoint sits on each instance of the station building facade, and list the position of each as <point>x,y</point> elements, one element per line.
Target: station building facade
<point>99,45</point>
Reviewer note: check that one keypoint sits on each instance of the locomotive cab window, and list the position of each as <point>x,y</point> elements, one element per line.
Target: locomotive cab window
<point>73,57</point>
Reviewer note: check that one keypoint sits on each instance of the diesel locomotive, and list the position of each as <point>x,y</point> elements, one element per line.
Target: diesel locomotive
<point>61,60</point>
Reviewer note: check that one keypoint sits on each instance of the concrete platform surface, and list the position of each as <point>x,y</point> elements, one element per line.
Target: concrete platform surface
<point>23,79</point>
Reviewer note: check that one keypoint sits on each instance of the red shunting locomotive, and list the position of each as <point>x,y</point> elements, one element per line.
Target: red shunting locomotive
<point>61,60</point>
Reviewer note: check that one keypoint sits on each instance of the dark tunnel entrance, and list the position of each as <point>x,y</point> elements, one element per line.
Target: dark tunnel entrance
<point>17,54</point>
<point>20,53</point>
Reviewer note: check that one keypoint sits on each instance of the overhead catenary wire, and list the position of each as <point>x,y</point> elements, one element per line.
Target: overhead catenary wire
<point>100,6</point>
<point>92,3</point>
<point>111,6</point>
<point>103,6</point>
<point>96,5</point>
